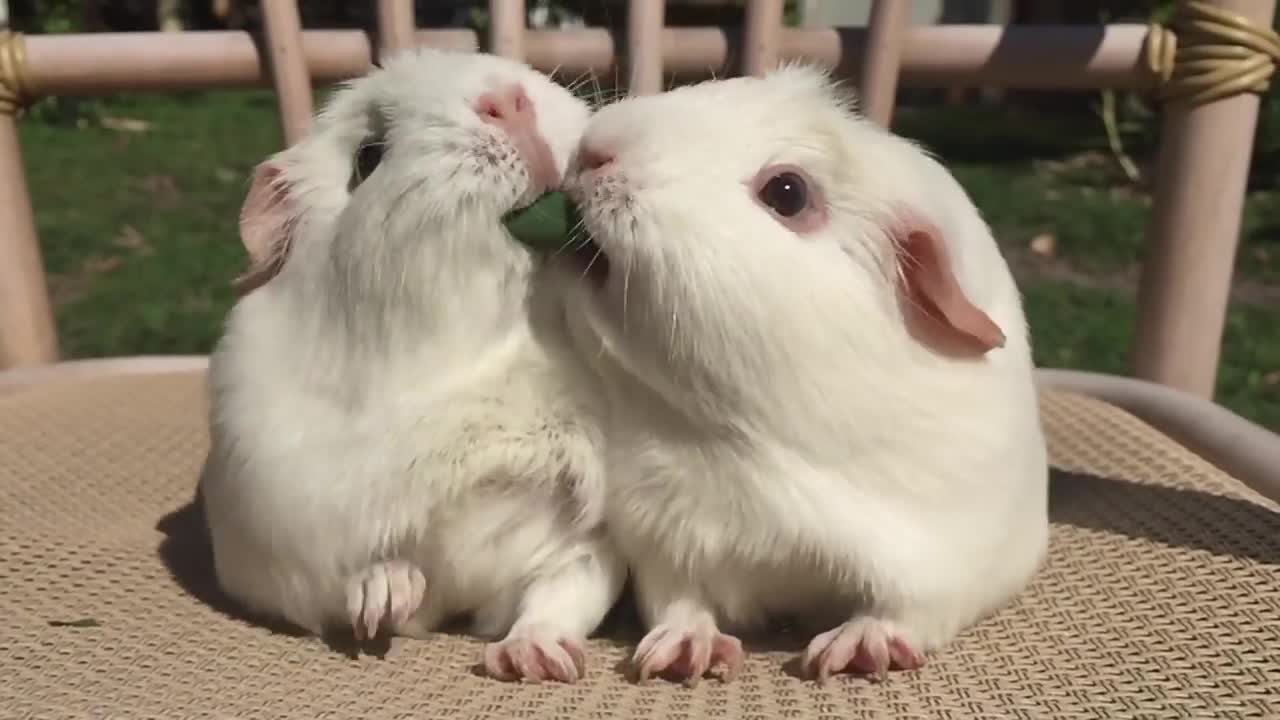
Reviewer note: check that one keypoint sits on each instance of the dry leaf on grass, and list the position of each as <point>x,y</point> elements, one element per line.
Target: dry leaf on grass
<point>1044,245</point>
<point>122,124</point>
<point>69,287</point>
<point>164,188</point>
<point>130,239</point>
<point>101,265</point>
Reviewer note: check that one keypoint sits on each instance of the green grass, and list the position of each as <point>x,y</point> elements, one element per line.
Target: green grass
<point>1075,327</point>
<point>139,234</point>
<point>1040,174</point>
<point>138,230</point>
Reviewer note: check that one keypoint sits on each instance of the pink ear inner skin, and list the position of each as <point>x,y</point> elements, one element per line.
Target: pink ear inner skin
<point>938,312</point>
<point>266,227</point>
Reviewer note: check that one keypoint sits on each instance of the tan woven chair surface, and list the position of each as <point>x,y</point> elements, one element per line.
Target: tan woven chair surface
<point>1161,597</point>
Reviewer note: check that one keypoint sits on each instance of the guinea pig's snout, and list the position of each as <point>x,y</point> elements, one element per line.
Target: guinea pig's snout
<point>594,158</point>
<point>509,109</point>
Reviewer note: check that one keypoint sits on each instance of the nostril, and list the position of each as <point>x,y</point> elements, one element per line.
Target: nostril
<point>489,108</point>
<point>508,106</point>
<point>519,100</point>
<point>591,158</point>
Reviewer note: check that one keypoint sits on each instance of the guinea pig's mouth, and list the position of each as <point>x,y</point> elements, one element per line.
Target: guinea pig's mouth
<point>586,256</point>
<point>583,253</point>
<point>552,226</point>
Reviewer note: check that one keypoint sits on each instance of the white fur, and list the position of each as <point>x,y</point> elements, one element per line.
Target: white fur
<point>779,443</point>
<point>386,397</point>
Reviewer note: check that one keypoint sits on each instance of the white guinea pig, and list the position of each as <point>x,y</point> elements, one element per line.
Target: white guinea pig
<point>820,376</point>
<point>393,442</point>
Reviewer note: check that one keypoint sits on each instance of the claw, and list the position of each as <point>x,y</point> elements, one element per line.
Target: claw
<point>536,654</point>
<point>388,592</point>
<point>865,645</point>
<point>688,651</point>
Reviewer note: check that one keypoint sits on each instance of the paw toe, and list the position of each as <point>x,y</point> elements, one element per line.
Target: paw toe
<point>535,657</point>
<point>867,646</point>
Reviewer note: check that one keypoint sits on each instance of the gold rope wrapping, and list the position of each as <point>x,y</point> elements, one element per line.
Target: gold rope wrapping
<point>14,88</point>
<point>1210,54</point>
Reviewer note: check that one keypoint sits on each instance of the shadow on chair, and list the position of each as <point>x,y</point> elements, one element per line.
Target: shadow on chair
<point>187,552</point>
<point>1190,519</point>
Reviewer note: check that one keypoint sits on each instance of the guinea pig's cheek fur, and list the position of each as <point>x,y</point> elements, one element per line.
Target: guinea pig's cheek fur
<point>539,161</point>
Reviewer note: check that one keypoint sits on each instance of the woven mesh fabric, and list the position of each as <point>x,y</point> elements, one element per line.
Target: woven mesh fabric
<point>1161,598</point>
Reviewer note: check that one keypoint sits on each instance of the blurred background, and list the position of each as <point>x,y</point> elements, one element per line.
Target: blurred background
<point>136,196</point>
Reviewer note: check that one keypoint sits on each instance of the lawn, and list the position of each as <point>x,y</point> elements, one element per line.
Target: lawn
<point>136,210</point>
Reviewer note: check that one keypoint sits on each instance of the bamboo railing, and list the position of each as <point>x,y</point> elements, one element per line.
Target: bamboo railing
<point>1208,68</point>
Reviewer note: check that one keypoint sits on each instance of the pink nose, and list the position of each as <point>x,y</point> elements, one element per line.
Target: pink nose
<point>508,108</point>
<point>592,157</point>
<point>511,110</point>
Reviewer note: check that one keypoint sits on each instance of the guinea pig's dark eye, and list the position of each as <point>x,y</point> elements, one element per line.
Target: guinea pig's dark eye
<point>368,155</point>
<point>786,193</point>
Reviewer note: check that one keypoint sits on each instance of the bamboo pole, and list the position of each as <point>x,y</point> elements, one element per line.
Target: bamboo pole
<point>1194,229</point>
<point>883,61</point>
<point>288,67</point>
<point>645,20</point>
<point>761,36</point>
<point>1071,57</point>
<point>506,28</point>
<point>396,26</point>
<point>27,335</point>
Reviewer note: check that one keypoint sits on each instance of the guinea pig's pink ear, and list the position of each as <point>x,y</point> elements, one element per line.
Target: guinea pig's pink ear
<point>938,312</point>
<point>266,226</point>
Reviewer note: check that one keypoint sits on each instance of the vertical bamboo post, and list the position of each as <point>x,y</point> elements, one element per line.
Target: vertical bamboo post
<point>289,72</point>
<point>396,26</point>
<point>27,334</point>
<point>1194,228</point>
<point>760,36</point>
<point>506,28</point>
<point>878,86</point>
<point>645,19</point>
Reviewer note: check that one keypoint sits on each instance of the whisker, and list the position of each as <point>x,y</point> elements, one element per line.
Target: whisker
<point>581,80</point>
<point>572,244</point>
<point>617,80</point>
<point>573,237</point>
<point>626,287</point>
<point>671,339</point>
<point>597,93</point>
<point>590,264</point>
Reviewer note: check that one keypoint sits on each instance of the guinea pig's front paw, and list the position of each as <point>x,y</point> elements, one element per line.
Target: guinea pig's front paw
<point>385,593</point>
<point>536,653</point>
<point>867,645</point>
<point>689,650</point>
